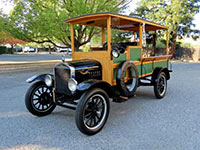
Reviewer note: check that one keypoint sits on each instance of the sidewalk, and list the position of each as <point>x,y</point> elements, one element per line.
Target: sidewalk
<point>30,58</point>
<point>19,63</point>
<point>3,63</point>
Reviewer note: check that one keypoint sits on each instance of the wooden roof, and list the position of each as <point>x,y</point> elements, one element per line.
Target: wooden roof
<point>121,22</point>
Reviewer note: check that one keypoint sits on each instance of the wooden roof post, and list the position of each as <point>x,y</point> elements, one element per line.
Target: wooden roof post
<point>109,33</point>
<point>102,35</point>
<point>140,37</point>
<point>135,36</point>
<point>72,38</point>
<point>167,38</point>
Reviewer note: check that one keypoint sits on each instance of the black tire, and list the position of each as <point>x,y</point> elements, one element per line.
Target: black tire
<point>160,85</point>
<point>39,99</point>
<point>127,88</point>
<point>92,111</point>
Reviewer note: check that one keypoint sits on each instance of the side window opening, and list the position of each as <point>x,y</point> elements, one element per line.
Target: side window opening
<point>155,43</point>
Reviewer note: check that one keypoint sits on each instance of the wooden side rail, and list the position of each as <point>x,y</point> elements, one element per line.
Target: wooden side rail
<point>155,58</point>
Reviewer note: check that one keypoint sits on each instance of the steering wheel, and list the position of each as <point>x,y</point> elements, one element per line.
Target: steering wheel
<point>105,46</point>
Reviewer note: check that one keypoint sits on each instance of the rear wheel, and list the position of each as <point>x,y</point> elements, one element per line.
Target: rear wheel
<point>92,111</point>
<point>39,99</point>
<point>160,86</point>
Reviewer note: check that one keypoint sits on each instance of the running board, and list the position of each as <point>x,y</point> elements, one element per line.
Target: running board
<point>145,84</point>
<point>70,106</point>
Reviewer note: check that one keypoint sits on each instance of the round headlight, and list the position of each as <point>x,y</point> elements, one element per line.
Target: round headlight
<point>72,85</point>
<point>48,80</point>
<point>115,53</point>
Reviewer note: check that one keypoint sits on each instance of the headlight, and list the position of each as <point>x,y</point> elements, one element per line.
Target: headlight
<point>72,85</point>
<point>115,53</point>
<point>48,80</point>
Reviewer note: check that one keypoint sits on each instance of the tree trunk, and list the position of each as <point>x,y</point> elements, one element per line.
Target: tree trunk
<point>154,45</point>
<point>49,49</point>
<point>76,45</point>
<point>172,49</point>
<point>36,49</point>
<point>11,50</point>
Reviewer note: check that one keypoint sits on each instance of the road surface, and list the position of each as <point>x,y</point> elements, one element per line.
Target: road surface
<point>141,123</point>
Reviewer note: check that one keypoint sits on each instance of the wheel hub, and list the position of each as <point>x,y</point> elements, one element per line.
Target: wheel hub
<point>44,98</point>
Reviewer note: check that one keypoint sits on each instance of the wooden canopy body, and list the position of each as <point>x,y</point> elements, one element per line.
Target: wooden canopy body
<point>108,21</point>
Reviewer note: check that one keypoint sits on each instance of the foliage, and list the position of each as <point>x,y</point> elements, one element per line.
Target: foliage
<point>121,36</point>
<point>176,14</point>
<point>42,21</point>
<point>12,41</point>
<point>6,39</point>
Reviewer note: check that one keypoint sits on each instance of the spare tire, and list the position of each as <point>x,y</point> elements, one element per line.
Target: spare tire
<point>127,85</point>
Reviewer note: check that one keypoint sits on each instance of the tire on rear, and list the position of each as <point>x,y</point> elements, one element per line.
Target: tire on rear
<point>160,85</point>
<point>127,90</point>
<point>84,101</point>
<point>29,100</point>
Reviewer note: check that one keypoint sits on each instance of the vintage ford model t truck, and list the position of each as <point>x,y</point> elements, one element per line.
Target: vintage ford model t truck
<point>97,74</point>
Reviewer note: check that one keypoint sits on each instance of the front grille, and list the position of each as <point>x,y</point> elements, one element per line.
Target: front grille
<point>62,75</point>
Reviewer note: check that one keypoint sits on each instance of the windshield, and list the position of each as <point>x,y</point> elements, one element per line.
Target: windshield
<point>91,37</point>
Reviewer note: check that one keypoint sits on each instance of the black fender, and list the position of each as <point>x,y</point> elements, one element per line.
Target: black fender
<point>40,77</point>
<point>157,71</point>
<point>87,85</point>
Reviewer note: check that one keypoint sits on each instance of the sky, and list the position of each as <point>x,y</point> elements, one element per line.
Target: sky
<point>8,7</point>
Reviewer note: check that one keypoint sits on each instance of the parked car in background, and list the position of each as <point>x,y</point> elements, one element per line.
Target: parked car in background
<point>28,49</point>
<point>65,50</point>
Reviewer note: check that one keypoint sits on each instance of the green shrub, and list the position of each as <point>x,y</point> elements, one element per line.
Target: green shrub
<point>186,45</point>
<point>8,51</point>
<point>3,50</point>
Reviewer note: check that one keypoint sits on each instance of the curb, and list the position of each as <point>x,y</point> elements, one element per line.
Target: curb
<point>5,63</point>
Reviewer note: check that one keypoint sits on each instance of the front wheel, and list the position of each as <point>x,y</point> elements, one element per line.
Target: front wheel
<point>92,111</point>
<point>160,86</point>
<point>39,99</point>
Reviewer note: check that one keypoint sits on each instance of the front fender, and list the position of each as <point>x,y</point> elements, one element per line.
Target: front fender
<point>40,77</point>
<point>87,85</point>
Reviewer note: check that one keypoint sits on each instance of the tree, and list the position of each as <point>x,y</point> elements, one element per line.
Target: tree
<point>176,14</point>
<point>43,21</point>
<point>5,39</point>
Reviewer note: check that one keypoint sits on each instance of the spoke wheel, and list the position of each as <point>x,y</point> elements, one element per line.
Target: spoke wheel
<point>160,86</point>
<point>39,99</point>
<point>92,111</point>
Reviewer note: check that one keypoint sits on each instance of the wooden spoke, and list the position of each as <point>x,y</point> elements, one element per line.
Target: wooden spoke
<point>39,91</point>
<point>36,95</point>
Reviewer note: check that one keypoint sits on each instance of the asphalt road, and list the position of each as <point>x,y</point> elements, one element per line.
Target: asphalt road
<point>141,123</point>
